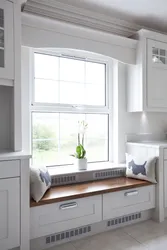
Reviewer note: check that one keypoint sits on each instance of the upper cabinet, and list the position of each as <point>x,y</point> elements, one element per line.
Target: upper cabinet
<point>6,40</point>
<point>147,80</point>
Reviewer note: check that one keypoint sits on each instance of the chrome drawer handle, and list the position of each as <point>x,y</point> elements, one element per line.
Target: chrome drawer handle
<point>131,193</point>
<point>68,205</point>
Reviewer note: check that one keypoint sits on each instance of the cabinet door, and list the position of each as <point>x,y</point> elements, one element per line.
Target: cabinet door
<point>6,40</point>
<point>9,213</point>
<point>156,75</point>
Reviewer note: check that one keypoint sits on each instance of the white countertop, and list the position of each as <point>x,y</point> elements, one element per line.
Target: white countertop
<point>8,155</point>
<point>157,144</point>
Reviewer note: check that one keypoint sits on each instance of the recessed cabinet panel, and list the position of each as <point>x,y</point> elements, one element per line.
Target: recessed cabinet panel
<point>9,213</point>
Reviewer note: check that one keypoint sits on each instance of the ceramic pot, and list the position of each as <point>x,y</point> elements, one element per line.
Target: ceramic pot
<point>81,163</point>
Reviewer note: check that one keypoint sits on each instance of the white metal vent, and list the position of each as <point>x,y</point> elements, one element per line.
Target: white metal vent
<point>62,180</point>
<point>109,173</point>
<point>123,219</point>
<point>67,234</point>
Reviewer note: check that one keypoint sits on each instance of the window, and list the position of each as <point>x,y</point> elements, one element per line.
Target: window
<point>66,90</point>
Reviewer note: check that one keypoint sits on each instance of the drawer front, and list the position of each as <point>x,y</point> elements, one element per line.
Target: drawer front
<point>128,201</point>
<point>9,169</point>
<point>165,154</point>
<point>57,217</point>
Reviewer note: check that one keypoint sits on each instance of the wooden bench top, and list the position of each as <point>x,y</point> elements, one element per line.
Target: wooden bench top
<point>80,190</point>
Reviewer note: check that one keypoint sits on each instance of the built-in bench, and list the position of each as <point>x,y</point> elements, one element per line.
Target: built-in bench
<point>81,190</point>
<point>71,211</point>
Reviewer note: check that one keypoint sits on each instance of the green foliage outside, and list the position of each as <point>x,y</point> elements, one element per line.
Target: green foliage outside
<point>43,132</point>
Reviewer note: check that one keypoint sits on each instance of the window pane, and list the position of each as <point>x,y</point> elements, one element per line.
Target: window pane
<point>46,91</point>
<point>46,67</point>
<point>72,70</point>
<point>55,137</point>
<point>69,81</point>
<point>95,73</point>
<point>71,93</point>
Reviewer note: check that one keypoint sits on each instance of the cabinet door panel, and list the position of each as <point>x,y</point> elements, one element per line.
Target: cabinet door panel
<point>9,213</point>
<point>156,74</point>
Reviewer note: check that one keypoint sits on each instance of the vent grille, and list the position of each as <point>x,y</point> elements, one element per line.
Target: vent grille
<point>62,180</point>
<point>109,174</point>
<point>123,219</point>
<point>67,234</point>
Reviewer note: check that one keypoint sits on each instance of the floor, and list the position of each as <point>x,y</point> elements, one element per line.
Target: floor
<point>147,235</point>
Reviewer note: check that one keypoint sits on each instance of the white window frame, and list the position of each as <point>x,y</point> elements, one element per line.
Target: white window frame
<point>76,109</point>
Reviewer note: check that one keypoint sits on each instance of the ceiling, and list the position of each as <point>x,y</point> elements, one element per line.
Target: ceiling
<point>122,17</point>
<point>147,13</point>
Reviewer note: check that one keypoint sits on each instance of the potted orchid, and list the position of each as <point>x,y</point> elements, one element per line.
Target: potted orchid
<point>80,152</point>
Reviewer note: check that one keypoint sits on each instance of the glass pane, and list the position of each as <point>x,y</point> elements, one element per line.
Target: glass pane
<point>46,67</point>
<point>1,18</point>
<point>95,94</point>
<point>156,59</point>
<point>46,91</point>
<point>72,93</point>
<point>55,137</point>
<point>72,70</point>
<point>95,73</point>
<point>1,38</point>
<point>162,59</point>
<point>155,51</point>
<point>2,58</point>
<point>45,138</point>
<point>162,52</point>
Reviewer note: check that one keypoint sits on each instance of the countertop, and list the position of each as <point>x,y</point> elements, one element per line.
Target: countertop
<point>156,144</point>
<point>8,155</point>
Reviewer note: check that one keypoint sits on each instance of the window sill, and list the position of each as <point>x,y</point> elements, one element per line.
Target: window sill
<point>71,169</point>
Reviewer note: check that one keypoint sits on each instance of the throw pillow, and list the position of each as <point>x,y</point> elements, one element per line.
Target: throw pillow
<point>139,168</point>
<point>40,182</point>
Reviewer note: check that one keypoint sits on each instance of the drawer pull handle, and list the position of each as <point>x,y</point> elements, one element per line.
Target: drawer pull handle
<point>131,193</point>
<point>68,205</point>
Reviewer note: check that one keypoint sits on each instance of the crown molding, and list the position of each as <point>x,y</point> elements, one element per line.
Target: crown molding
<point>79,16</point>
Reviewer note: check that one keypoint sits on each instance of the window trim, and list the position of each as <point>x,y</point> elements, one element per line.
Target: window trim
<point>76,109</point>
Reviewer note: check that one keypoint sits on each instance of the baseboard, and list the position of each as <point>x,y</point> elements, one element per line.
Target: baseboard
<point>40,243</point>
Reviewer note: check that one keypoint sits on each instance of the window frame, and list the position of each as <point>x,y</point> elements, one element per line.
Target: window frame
<point>72,108</point>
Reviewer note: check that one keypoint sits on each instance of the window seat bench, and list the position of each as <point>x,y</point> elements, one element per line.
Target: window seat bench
<point>87,207</point>
<point>81,190</point>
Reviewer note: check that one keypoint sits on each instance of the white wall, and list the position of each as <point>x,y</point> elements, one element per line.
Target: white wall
<point>135,123</point>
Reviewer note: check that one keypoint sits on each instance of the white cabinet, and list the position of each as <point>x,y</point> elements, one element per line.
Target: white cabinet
<point>65,215</point>
<point>6,40</point>
<point>128,201</point>
<point>147,80</point>
<point>9,213</point>
<point>156,74</point>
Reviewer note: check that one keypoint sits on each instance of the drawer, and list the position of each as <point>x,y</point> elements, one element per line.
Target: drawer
<point>57,217</point>
<point>9,169</point>
<point>165,154</point>
<point>128,201</point>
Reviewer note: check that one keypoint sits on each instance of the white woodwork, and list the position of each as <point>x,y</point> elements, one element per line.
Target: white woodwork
<point>165,154</point>
<point>10,213</point>
<point>128,201</point>
<point>17,101</point>
<point>156,77</point>
<point>9,169</point>
<point>146,82</point>
<point>25,205</point>
<point>165,184</point>
<point>65,215</point>
<point>36,30</point>
<point>7,72</point>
